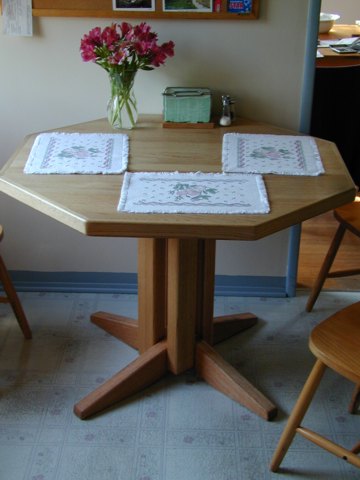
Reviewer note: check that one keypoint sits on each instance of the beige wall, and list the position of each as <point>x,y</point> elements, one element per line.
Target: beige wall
<point>349,10</point>
<point>44,84</point>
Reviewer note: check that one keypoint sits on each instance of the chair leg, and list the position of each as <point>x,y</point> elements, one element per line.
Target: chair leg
<point>297,414</point>
<point>14,300</point>
<point>356,449</point>
<point>355,400</point>
<point>325,268</point>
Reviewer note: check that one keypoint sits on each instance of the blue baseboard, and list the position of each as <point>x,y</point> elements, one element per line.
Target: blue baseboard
<point>250,286</point>
<point>94,282</point>
<point>76,282</point>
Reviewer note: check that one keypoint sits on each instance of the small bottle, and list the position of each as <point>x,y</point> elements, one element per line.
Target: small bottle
<point>225,119</point>
<point>232,109</point>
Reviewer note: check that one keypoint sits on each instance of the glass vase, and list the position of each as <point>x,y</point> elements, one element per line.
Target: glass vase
<point>122,109</point>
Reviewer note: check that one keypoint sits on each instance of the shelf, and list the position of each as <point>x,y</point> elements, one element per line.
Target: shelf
<point>103,9</point>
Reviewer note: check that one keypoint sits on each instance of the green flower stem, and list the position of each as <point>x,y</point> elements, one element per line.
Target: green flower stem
<point>122,100</point>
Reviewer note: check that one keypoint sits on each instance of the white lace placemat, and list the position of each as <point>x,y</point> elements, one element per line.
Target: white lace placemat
<point>86,153</point>
<point>280,154</point>
<point>193,193</point>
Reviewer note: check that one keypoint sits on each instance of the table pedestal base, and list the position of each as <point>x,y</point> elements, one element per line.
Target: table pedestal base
<point>176,329</point>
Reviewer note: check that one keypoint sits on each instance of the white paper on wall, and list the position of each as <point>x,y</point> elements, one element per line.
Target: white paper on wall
<point>17,17</point>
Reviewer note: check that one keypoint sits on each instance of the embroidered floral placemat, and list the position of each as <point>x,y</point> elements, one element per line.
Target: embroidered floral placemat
<point>86,153</point>
<point>193,193</point>
<point>280,154</point>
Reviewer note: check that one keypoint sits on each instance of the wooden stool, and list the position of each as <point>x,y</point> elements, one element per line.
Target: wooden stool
<point>336,344</point>
<point>11,296</point>
<point>348,217</point>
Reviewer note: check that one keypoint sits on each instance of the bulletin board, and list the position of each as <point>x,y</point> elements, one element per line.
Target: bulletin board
<point>157,9</point>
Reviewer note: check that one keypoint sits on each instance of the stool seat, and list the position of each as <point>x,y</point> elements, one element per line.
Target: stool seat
<point>335,342</point>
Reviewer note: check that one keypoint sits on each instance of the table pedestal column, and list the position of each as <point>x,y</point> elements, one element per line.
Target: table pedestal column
<point>176,328</point>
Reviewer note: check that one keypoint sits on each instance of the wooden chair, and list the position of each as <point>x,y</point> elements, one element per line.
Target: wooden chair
<point>11,296</point>
<point>336,344</point>
<point>348,217</point>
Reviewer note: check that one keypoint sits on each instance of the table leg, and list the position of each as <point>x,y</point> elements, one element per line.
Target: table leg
<point>176,294</point>
<point>145,335</point>
<point>218,373</point>
<point>182,303</point>
<point>139,374</point>
<point>124,328</point>
<point>152,285</point>
<point>150,327</point>
<point>215,330</point>
<point>228,325</point>
<point>209,364</point>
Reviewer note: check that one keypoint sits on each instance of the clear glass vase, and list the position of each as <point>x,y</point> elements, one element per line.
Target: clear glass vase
<point>122,109</point>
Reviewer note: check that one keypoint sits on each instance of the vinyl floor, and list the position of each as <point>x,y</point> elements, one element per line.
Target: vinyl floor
<point>178,429</point>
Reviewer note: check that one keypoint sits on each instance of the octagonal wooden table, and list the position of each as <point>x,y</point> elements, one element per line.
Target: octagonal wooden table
<point>175,330</point>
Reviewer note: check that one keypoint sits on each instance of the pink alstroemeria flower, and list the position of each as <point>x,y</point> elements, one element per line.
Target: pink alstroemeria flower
<point>122,47</point>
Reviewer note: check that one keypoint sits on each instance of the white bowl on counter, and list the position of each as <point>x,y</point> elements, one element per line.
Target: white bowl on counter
<point>326,21</point>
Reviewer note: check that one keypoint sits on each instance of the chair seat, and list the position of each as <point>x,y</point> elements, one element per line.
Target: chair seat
<point>336,342</point>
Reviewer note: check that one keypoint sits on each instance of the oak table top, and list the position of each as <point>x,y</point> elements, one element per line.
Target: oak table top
<point>176,329</point>
<point>88,203</point>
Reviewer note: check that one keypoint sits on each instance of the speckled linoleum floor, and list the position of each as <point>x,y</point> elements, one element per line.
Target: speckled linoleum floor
<point>178,429</point>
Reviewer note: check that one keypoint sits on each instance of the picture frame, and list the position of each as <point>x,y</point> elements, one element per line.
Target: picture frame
<point>241,7</point>
<point>134,5</point>
<point>193,6</point>
<point>153,9</point>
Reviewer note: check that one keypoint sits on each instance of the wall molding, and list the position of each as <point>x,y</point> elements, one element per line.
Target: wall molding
<point>95,282</point>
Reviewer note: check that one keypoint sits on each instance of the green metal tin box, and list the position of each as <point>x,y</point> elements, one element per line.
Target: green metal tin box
<point>187,105</point>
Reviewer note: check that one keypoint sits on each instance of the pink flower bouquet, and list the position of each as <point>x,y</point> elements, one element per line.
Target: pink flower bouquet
<point>122,50</point>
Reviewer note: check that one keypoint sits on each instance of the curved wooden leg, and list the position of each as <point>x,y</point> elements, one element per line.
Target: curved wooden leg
<point>13,300</point>
<point>325,268</point>
<point>356,449</point>
<point>297,414</point>
<point>355,399</point>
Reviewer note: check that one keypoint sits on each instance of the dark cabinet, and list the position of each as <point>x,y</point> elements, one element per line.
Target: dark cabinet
<point>336,112</point>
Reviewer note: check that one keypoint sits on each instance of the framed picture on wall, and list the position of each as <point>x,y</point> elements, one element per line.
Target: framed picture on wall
<point>195,6</point>
<point>143,9</point>
<point>240,6</point>
<point>134,5</point>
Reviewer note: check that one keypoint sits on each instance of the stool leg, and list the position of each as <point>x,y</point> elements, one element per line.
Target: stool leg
<point>325,268</point>
<point>356,449</point>
<point>14,300</point>
<point>355,399</point>
<point>297,414</point>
